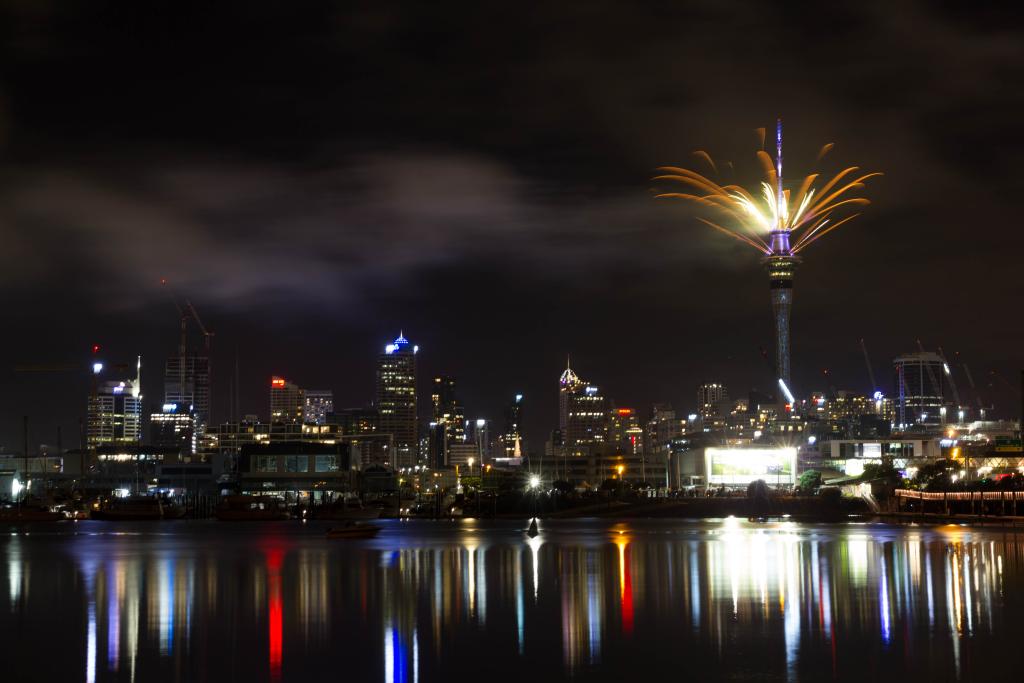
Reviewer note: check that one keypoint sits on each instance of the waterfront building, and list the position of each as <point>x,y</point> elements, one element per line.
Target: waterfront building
<point>174,427</point>
<point>396,398</point>
<point>319,403</point>
<point>357,428</point>
<point>300,471</point>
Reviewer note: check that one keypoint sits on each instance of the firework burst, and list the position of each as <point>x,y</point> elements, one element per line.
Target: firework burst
<point>801,217</point>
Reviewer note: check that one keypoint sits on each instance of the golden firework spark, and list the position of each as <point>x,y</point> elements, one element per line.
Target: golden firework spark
<point>802,217</point>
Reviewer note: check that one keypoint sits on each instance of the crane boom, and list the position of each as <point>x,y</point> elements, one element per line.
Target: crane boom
<point>867,362</point>
<point>202,328</point>
<point>974,388</point>
<point>931,373</point>
<point>949,374</point>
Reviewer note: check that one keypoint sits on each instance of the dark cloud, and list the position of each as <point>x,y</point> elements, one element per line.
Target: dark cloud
<point>317,174</point>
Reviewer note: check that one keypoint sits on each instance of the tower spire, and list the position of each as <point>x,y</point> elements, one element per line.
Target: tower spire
<point>780,195</point>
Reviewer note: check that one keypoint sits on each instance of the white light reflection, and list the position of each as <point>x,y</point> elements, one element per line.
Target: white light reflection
<point>535,544</point>
<point>883,601</point>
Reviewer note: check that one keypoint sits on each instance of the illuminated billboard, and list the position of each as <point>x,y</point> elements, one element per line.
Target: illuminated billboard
<point>740,466</point>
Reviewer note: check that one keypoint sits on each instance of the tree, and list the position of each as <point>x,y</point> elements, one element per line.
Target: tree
<point>882,471</point>
<point>809,481</point>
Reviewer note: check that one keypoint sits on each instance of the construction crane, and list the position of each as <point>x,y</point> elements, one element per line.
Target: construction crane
<point>949,374</point>
<point>867,362</point>
<point>936,387</point>
<point>974,388</point>
<point>202,328</point>
<point>1014,389</point>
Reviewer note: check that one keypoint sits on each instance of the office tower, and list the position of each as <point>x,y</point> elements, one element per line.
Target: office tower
<point>920,389</point>
<point>582,415</point>
<point>319,404</point>
<point>174,427</point>
<point>287,402</point>
<point>512,433</point>
<point>396,398</point>
<point>446,408</point>
<point>662,428</point>
<point>625,432</point>
<point>114,412</point>
<point>187,382</point>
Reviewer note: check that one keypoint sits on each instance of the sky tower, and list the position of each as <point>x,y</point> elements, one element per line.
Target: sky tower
<point>781,262</point>
<point>778,223</point>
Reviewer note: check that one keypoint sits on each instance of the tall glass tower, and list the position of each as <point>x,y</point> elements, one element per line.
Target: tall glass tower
<point>396,399</point>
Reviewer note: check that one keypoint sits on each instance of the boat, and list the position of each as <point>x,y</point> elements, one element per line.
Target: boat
<point>353,530</point>
<point>345,509</point>
<point>29,513</point>
<point>533,531</point>
<point>132,508</point>
<point>252,508</point>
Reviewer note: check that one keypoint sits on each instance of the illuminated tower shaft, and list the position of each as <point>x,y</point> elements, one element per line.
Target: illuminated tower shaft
<point>781,264</point>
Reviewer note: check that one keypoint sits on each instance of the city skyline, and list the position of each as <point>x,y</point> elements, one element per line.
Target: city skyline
<point>537,429</point>
<point>486,215</point>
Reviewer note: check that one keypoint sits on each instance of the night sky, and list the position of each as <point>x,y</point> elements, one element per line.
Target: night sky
<point>317,176</point>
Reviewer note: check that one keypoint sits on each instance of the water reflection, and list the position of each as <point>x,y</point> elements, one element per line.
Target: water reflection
<point>736,599</point>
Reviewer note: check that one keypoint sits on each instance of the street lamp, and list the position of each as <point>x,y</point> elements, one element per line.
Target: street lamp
<point>534,481</point>
<point>620,469</point>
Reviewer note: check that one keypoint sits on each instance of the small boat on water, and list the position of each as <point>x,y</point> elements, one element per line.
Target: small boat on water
<point>252,508</point>
<point>28,513</point>
<point>533,531</point>
<point>135,508</point>
<point>345,509</point>
<point>353,530</point>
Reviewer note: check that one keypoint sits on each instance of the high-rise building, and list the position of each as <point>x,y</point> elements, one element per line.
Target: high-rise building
<point>662,428</point>
<point>447,409</point>
<point>920,389</point>
<point>319,404</point>
<point>442,395</point>
<point>625,432</point>
<point>712,400</point>
<point>582,414</point>
<point>114,413</point>
<point>396,398</point>
<point>187,382</point>
<point>174,427</point>
<point>287,401</point>
<point>512,434</point>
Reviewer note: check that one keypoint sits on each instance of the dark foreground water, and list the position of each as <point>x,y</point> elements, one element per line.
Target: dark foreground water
<point>468,601</point>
